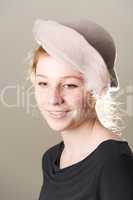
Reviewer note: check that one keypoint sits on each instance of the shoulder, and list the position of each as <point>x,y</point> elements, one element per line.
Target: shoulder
<point>116,178</point>
<point>50,153</point>
<point>121,165</point>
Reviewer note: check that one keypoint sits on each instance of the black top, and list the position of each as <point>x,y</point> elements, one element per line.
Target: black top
<point>105,174</point>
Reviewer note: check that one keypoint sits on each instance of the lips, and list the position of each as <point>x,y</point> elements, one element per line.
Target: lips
<point>57,110</point>
<point>57,114</point>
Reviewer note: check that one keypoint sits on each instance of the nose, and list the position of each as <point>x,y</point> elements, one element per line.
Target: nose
<point>55,96</point>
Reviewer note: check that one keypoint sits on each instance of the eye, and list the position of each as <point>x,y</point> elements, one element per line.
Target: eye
<point>70,86</point>
<point>42,83</point>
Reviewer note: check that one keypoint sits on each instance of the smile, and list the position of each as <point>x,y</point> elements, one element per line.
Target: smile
<point>57,114</point>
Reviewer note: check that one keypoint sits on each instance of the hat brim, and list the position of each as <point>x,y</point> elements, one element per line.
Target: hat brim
<point>67,45</point>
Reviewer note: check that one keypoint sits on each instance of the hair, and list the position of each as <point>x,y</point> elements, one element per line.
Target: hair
<point>107,106</point>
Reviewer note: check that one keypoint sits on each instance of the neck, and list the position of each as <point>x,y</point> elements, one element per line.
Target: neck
<point>84,137</point>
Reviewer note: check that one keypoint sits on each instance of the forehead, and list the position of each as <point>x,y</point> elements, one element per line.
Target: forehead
<point>51,68</point>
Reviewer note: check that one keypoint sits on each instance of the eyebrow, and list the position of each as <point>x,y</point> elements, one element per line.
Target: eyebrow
<point>63,77</point>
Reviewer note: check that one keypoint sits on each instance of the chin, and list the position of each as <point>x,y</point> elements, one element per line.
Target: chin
<point>63,125</point>
<point>58,126</point>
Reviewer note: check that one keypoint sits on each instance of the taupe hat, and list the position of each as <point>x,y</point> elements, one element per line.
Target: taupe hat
<point>69,40</point>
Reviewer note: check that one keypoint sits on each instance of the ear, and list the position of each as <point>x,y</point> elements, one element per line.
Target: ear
<point>91,97</point>
<point>90,93</point>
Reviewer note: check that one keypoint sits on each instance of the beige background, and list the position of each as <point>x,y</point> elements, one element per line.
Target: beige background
<point>24,134</point>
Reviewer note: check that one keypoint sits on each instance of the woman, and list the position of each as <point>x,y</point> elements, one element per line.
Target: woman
<point>72,71</point>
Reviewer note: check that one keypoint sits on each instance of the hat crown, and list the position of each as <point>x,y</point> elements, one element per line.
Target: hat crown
<point>100,39</point>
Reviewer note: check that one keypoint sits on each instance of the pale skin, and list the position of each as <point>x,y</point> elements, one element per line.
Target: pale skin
<point>60,88</point>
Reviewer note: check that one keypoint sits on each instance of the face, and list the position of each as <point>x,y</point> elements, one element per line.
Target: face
<point>60,94</point>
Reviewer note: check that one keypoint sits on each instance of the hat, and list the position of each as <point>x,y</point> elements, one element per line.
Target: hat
<point>70,41</point>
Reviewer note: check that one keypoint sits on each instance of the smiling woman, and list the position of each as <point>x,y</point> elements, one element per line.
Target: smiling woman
<point>74,79</point>
<point>107,108</point>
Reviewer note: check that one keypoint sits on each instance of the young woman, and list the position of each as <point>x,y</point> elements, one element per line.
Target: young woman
<point>72,71</point>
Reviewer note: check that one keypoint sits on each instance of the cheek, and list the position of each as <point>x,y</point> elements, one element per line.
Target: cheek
<point>39,96</point>
<point>78,100</point>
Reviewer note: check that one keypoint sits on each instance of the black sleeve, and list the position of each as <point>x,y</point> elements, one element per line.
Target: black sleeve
<point>116,181</point>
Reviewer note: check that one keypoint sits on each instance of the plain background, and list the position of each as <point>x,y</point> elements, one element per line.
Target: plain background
<point>24,135</point>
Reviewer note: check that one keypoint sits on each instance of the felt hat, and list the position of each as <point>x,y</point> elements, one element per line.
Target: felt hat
<point>71,42</point>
